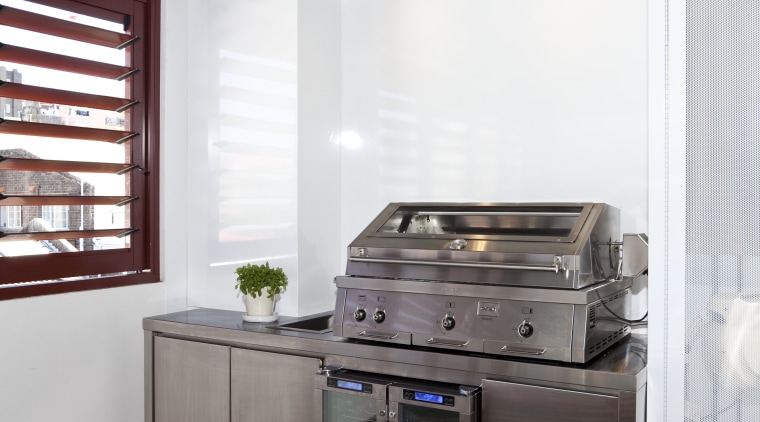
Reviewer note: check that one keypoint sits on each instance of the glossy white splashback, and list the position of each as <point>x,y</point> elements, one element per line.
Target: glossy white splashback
<point>242,146</point>
<point>307,117</point>
<point>319,154</point>
<point>493,100</point>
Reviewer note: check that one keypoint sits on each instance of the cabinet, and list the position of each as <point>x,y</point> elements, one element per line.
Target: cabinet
<point>201,382</point>
<point>191,381</point>
<point>205,365</point>
<point>272,387</point>
<point>512,402</point>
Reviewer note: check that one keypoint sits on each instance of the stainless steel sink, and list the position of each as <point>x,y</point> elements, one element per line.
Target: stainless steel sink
<point>318,325</point>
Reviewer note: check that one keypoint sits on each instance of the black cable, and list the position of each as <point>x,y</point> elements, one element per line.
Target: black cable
<point>629,321</point>
<point>635,323</point>
<point>621,319</point>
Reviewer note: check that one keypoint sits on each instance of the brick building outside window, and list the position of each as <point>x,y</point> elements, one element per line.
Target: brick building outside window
<point>58,217</point>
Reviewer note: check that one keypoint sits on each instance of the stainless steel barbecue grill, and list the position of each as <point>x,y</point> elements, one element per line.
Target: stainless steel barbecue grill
<point>532,280</point>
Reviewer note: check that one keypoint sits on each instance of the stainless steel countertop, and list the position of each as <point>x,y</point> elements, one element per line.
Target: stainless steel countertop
<point>622,367</point>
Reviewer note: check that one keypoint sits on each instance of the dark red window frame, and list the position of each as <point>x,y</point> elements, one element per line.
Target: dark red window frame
<point>141,259</point>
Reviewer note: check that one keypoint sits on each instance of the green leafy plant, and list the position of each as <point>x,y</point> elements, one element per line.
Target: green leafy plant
<point>251,279</point>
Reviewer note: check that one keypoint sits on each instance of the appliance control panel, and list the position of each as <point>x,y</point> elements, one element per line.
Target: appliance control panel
<point>465,323</point>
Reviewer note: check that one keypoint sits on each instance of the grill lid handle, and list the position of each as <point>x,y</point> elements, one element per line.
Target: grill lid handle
<point>464,264</point>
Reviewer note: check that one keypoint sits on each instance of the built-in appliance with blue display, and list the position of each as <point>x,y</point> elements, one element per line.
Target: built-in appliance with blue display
<point>349,396</point>
<point>354,396</point>
<point>433,402</point>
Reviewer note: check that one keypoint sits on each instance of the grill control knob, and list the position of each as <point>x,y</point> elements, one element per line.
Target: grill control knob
<point>360,314</point>
<point>448,322</point>
<point>525,330</point>
<point>379,316</point>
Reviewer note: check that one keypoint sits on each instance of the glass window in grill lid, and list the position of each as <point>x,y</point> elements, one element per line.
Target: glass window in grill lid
<point>533,221</point>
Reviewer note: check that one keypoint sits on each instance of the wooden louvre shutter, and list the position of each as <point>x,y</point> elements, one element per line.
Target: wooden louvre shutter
<point>86,265</point>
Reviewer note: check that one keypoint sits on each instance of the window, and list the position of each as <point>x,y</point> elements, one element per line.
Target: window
<point>14,217</point>
<point>56,215</point>
<point>78,145</point>
<point>10,217</point>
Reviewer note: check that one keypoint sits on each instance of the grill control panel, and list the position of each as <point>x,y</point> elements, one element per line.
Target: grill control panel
<point>462,323</point>
<point>519,328</point>
<point>568,326</point>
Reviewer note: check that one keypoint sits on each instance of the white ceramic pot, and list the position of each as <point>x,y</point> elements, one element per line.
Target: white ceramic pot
<point>259,306</point>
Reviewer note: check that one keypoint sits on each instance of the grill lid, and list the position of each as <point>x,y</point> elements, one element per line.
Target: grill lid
<point>566,245</point>
<point>534,223</point>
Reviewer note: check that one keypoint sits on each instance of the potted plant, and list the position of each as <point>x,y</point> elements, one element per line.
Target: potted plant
<point>259,285</point>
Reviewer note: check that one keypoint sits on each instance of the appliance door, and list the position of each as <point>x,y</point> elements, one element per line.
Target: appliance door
<point>512,402</point>
<point>432,403</point>
<point>347,397</point>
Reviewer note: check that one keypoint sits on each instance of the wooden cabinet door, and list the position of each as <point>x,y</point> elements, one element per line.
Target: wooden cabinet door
<point>191,381</point>
<point>272,387</point>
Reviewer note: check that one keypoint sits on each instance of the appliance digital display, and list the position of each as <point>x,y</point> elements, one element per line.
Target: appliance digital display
<point>348,385</point>
<point>427,397</point>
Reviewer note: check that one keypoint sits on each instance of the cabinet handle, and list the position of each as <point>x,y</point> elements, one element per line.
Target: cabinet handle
<point>447,342</point>
<point>377,334</point>
<point>523,351</point>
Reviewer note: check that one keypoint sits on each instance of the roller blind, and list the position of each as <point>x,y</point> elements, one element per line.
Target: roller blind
<point>78,145</point>
<point>721,374</point>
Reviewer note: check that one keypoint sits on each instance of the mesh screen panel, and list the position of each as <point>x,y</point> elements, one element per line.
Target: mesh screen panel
<point>722,373</point>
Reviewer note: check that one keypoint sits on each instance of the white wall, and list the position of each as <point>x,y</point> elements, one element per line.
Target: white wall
<point>79,356</point>
<point>319,153</point>
<point>494,100</point>
<point>263,161</point>
<point>75,357</point>
<point>175,189</point>
<point>242,146</point>
<point>659,348</point>
<point>467,101</point>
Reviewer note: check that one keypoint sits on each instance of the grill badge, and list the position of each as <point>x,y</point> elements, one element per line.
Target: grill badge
<point>488,309</point>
